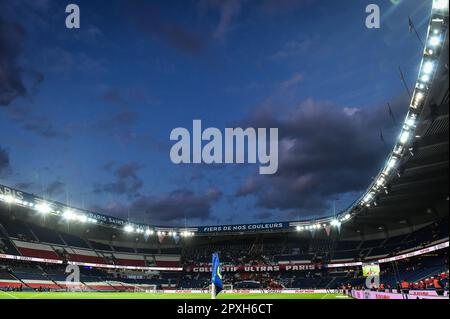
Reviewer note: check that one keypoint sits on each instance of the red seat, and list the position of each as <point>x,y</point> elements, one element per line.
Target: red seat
<point>87,259</point>
<point>130,262</point>
<point>45,254</point>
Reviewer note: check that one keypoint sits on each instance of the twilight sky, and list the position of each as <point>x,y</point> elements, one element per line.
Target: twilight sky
<point>86,114</point>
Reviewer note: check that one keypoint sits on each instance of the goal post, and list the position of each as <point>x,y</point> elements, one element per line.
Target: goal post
<point>146,288</point>
<point>227,287</point>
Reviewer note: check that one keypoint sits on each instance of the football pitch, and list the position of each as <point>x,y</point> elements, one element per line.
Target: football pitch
<point>140,295</point>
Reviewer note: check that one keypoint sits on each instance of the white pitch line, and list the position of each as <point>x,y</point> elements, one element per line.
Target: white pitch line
<point>9,294</point>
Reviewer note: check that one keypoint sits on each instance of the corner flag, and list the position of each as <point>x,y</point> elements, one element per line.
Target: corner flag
<point>216,278</point>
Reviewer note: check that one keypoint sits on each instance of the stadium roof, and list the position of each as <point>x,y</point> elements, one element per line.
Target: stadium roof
<point>419,192</point>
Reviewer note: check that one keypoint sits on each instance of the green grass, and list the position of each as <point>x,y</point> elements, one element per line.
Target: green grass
<point>131,295</point>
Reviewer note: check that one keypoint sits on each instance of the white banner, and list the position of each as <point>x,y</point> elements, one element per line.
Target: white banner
<point>40,260</point>
<point>415,253</point>
<point>367,294</point>
<point>125,267</point>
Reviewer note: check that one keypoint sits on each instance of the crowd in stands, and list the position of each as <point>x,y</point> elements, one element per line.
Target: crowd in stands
<point>422,272</point>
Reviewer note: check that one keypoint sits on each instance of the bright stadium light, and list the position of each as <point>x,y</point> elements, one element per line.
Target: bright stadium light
<point>425,78</point>
<point>368,198</point>
<point>392,163</point>
<point>346,217</point>
<point>420,86</point>
<point>418,97</point>
<point>381,181</point>
<point>435,41</point>
<point>411,121</point>
<point>68,215</point>
<point>335,223</point>
<point>404,137</point>
<point>128,228</point>
<point>440,4</point>
<point>82,218</point>
<point>149,232</point>
<point>9,199</point>
<point>428,67</point>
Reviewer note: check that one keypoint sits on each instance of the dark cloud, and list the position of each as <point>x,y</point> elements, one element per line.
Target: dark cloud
<point>263,215</point>
<point>114,96</point>
<point>12,86</point>
<point>124,118</point>
<point>228,11</point>
<point>4,161</point>
<point>13,79</point>
<point>42,126</point>
<point>127,182</point>
<point>38,124</point>
<point>25,186</point>
<point>171,207</point>
<point>147,19</point>
<point>282,6</point>
<point>54,189</point>
<point>12,75</point>
<point>325,150</point>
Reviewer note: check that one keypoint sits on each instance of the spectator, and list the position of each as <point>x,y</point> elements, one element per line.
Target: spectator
<point>404,287</point>
<point>438,286</point>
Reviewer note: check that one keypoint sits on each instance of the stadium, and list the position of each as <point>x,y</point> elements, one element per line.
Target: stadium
<point>391,243</point>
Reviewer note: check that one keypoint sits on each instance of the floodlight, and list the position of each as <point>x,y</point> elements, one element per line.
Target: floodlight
<point>428,67</point>
<point>411,121</point>
<point>335,222</point>
<point>368,197</point>
<point>404,137</point>
<point>440,4</point>
<point>68,214</point>
<point>9,199</point>
<point>392,162</point>
<point>425,78</point>
<point>380,181</point>
<point>435,41</point>
<point>82,218</point>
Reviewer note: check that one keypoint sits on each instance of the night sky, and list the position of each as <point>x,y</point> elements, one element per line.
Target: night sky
<point>86,114</point>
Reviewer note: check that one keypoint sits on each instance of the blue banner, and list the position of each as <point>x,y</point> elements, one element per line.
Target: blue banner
<point>244,227</point>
